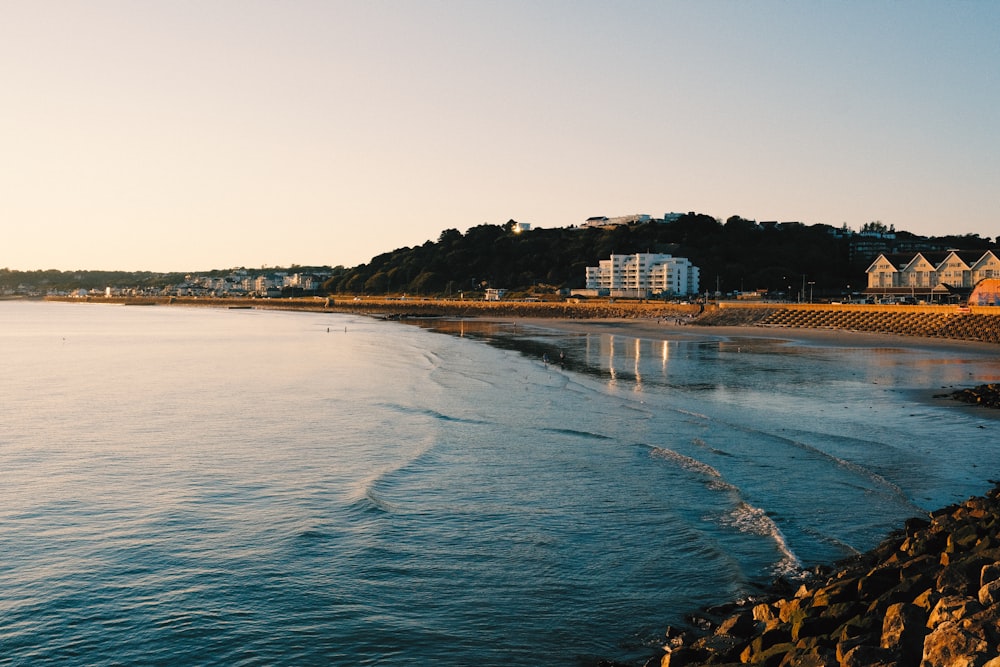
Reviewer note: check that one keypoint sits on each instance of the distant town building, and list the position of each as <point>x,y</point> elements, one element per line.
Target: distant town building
<point>931,275</point>
<point>495,294</point>
<point>602,221</point>
<point>643,275</point>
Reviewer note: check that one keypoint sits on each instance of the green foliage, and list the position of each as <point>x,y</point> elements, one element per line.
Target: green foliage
<point>738,255</point>
<point>742,254</point>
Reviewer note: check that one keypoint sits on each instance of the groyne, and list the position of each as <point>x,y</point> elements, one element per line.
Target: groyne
<point>928,596</point>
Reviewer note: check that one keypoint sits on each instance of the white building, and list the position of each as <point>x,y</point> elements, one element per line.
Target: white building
<point>643,275</point>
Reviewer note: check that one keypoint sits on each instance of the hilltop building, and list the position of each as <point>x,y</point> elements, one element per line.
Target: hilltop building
<point>641,276</point>
<point>930,276</point>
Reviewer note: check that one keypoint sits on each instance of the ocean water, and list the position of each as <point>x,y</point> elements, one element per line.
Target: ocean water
<point>244,487</point>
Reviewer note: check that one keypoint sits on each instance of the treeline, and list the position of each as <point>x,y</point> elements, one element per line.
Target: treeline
<point>52,279</point>
<point>738,255</point>
<point>735,255</point>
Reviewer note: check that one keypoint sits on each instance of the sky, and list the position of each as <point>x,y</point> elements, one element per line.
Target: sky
<point>181,135</point>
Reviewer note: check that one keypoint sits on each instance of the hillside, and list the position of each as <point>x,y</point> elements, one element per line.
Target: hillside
<point>738,255</point>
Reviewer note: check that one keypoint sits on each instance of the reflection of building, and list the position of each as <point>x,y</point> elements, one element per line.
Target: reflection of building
<point>643,275</point>
<point>927,275</point>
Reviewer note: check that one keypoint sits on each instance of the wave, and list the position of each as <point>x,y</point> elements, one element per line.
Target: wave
<point>704,445</point>
<point>754,521</point>
<point>853,467</point>
<point>434,414</point>
<point>692,414</point>
<point>859,470</point>
<point>744,517</point>
<point>685,462</point>
<point>573,432</point>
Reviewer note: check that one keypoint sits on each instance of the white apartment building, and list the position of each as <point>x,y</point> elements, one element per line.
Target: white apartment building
<point>643,275</point>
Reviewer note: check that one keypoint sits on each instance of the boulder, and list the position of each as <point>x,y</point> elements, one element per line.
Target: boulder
<point>903,630</point>
<point>951,645</point>
<point>989,573</point>
<point>952,608</point>
<point>989,594</point>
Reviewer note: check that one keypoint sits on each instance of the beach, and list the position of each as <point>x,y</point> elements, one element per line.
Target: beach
<point>666,328</point>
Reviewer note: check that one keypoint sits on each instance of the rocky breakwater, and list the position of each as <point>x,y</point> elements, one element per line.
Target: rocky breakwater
<point>928,596</point>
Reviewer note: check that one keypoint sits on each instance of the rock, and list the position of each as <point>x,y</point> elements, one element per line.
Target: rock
<point>989,573</point>
<point>952,608</point>
<point>726,648</point>
<point>878,581</point>
<point>841,591</point>
<point>683,656</point>
<point>903,630</point>
<point>951,645</point>
<point>989,594</point>
<point>811,658</point>
<point>738,625</point>
<point>764,612</point>
<point>868,656</point>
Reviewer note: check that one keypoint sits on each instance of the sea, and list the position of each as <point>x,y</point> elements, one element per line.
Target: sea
<point>209,486</point>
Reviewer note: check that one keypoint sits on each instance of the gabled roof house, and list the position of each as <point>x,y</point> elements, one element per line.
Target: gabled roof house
<point>931,275</point>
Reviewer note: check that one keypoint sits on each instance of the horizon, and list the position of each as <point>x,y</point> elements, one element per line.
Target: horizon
<point>307,267</point>
<point>162,136</point>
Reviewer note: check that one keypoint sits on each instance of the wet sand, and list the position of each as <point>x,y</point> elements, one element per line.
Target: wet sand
<point>653,330</point>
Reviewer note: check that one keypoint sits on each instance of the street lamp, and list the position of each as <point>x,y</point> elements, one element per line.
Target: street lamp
<point>811,283</point>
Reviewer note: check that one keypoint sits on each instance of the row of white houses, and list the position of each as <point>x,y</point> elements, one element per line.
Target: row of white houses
<point>931,274</point>
<point>642,275</point>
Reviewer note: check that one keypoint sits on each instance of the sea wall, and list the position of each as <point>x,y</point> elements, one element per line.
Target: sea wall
<point>928,596</point>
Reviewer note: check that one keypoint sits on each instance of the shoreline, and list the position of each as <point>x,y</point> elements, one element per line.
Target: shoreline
<point>651,330</point>
<point>928,594</point>
<point>869,326</point>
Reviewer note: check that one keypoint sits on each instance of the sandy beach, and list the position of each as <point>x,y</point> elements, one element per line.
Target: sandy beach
<point>651,329</point>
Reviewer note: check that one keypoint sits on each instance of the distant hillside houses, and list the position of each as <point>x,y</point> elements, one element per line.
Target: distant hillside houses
<point>238,283</point>
<point>642,275</point>
<point>604,222</point>
<point>930,276</point>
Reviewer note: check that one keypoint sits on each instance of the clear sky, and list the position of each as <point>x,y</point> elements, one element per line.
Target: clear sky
<point>174,135</point>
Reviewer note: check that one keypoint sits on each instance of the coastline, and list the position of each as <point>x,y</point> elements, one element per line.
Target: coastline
<point>929,594</point>
<point>869,326</point>
<point>652,330</point>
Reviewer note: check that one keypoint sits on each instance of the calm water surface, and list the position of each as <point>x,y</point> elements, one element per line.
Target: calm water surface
<point>242,487</point>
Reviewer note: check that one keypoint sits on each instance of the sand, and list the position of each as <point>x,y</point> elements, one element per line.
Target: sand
<point>651,329</point>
